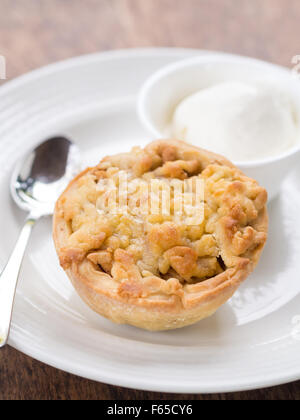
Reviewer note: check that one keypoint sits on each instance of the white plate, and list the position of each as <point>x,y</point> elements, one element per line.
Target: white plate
<point>253,341</point>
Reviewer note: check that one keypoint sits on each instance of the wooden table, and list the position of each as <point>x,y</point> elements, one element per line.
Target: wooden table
<point>37,32</point>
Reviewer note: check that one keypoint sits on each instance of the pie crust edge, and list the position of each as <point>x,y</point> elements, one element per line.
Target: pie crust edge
<point>201,301</point>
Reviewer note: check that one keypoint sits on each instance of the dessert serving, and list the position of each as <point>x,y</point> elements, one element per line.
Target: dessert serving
<point>241,108</point>
<point>139,256</point>
<point>255,120</point>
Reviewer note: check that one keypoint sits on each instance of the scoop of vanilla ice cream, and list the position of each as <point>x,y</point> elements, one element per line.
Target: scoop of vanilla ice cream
<point>239,120</point>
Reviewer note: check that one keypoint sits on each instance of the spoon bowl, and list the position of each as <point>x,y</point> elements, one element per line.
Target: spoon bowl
<point>36,184</point>
<point>43,174</point>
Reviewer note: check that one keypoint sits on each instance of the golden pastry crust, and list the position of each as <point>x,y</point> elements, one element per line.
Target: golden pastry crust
<point>156,271</point>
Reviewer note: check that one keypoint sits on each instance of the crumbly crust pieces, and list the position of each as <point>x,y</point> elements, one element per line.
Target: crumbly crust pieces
<point>157,263</point>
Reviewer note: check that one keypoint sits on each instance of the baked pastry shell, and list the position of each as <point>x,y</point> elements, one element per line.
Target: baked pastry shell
<point>198,301</point>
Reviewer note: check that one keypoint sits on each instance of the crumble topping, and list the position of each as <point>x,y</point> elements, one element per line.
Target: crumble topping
<point>130,246</point>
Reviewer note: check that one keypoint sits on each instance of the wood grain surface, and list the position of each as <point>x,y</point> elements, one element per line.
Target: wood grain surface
<point>34,33</point>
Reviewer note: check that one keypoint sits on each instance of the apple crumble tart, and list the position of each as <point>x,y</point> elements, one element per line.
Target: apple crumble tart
<point>160,269</point>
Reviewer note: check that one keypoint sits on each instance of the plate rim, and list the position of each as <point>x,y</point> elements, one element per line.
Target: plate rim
<point>137,384</point>
<point>106,55</point>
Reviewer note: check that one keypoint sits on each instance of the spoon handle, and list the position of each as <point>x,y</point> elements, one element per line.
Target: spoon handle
<point>9,279</point>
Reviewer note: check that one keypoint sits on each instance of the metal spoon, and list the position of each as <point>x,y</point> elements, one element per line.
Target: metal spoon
<point>35,186</point>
